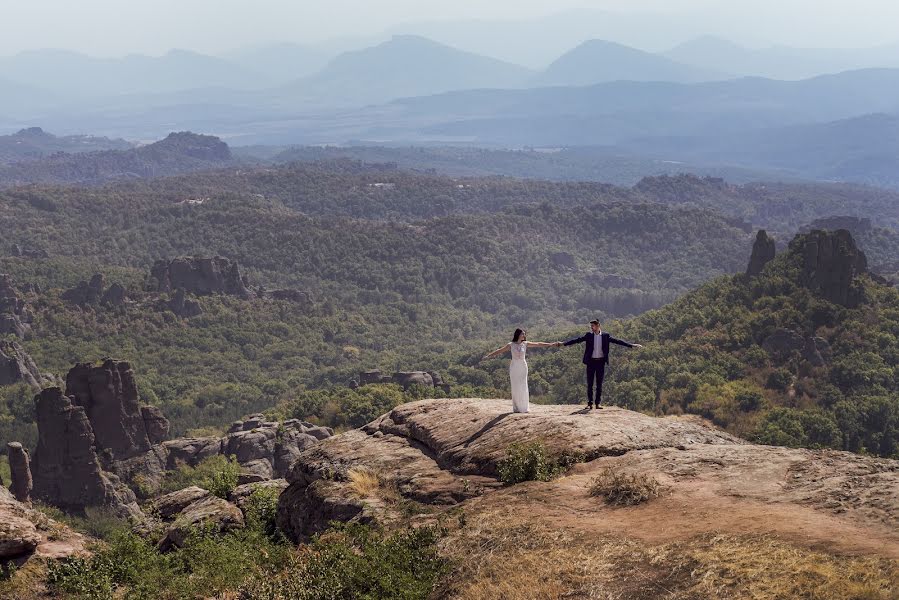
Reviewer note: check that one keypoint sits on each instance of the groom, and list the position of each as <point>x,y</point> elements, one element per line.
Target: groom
<point>596,357</point>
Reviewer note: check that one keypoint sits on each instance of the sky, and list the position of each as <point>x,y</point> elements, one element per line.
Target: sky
<point>119,27</point>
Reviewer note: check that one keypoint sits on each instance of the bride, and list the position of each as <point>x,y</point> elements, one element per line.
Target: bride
<point>518,368</point>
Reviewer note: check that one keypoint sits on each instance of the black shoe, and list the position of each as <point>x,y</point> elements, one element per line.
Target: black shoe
<point>589,406</point>
<point>598,407</point>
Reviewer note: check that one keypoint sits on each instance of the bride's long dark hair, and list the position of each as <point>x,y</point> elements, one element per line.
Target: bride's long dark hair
<point>517,334</point>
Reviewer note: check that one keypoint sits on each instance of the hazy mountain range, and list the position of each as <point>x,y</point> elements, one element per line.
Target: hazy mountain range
<point>703,103</point>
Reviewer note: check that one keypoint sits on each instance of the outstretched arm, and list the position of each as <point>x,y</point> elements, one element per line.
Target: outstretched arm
<point>543,344</point>
<point>623,343</point>
<point>577,340</point>
<point>496,352</point>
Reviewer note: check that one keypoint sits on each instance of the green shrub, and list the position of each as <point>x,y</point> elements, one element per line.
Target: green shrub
<point>620,489</point>
<point>532,462</point>
<point>218,474</point>
<point>260,511</point>
<point>356,561</point>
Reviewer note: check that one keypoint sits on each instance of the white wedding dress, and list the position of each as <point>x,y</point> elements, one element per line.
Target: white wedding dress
<point>518,377</point>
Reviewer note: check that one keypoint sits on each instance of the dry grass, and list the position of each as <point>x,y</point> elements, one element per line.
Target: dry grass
<point>368,484</point>
<point>498,556</point>
<point>621,489</point>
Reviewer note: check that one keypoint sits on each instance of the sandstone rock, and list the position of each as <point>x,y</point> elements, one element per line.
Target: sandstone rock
<point>155,423</point>
<point>289,448</point>
<point>109,396</point>
<point>200,276</point>
<point>191,451</point>
<point>251,445</point>
<point>20,469</point>
<point>66,470</point>
<point>319,433</point>
<point>408,379</point>
<point>763,252</point>
<point>256,470</point>
<point>831,262</point>
<point>172,504</point>
<point>445,451</point>
<point>305,510</point>
<point>86,293</point>
<point>373,377</point>
<point>17,367</point>
<point>17,536</point>
<point>211,511</point>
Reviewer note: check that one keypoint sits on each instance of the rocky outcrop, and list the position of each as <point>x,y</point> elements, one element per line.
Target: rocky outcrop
<point>155,423</point>
<point>264,449</point>
<point>109,396</point>
<point>18,535</point>
<point>17,367</point>
<point>182,306</point>
<point>67,472</point>
<point>830,264</point>
<point>296,296</point>
<point>15,318</point>
<point>444,451</point>
<point>170,505</point>
<point>98,440</point>
<point>784,344</point>
<point>763,252</point>
<point>219,515</point>
<point>20,471</point>
<point>115,295</point>
<point>406,379</point>
<point>86,293</point>
<point>199,276</point>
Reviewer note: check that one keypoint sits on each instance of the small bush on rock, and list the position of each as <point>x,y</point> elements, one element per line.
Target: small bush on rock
<point>532,462</point>
<point>621,489</point>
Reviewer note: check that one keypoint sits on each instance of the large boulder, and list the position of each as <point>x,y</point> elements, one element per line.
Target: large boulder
<point>170,505</point>
<point>20,470</point>
<point>183,306</point>
<point>155,423</point>
<point>407,379</point>
<point>191,451</point>
<point>763,252</point>
<point>199,276</point>
<point>215,513</point>
<point>17,536</point>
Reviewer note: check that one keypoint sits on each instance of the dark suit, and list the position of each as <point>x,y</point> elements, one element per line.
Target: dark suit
<point>596,367</point>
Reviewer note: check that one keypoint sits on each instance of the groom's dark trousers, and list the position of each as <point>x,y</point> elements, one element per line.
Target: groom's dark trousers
<point>596,371</point>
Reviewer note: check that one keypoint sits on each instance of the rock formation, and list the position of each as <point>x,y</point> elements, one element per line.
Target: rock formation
<point>20,470</point>
<point>86,293</point>
<point>199,276</point>
<point>762,253</point>
<point>183,306</point>
<point>209,511</point>
<point>67,472</point>
<point>405,379</point>
<point>15,318</point>
<point>830,263</point>
<point>17,367</point>
<point>431,455</point>
<point>264,449</point>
